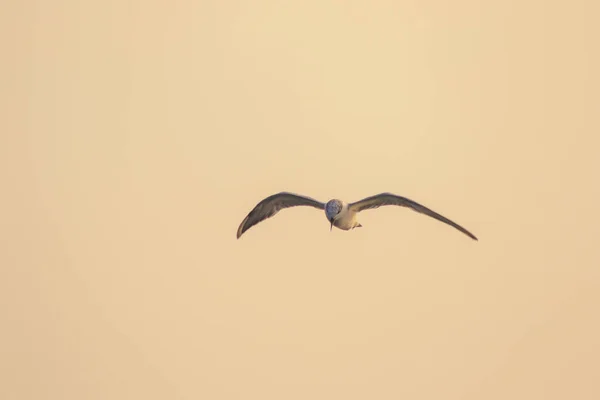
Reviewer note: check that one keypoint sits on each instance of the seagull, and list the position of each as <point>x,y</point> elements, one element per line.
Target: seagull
<point>340,214</point>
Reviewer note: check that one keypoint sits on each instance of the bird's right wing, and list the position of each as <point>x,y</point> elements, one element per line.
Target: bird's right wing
<point>272,205</point>
<point>389,199</point>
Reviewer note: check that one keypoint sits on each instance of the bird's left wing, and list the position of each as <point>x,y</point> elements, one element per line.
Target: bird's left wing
<point>389,199</point>
<point>272,205</point>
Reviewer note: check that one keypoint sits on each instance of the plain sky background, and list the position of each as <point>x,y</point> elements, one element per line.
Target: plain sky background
<point>136,136</point>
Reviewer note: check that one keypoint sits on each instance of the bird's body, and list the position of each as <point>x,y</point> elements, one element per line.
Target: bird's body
<point>344,219</point>
<point>340,214</point>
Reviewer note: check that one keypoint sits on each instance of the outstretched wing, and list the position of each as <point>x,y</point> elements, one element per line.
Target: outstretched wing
<point>272,205</point>
<point>389,199</point>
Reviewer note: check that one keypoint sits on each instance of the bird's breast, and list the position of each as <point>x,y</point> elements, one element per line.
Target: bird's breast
<point>345,220</point>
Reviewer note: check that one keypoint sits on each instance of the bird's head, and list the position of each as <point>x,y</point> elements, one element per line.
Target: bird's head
<point>332,209</point>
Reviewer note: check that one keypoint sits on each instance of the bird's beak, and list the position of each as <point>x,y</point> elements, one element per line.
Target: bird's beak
<point>331,227</point>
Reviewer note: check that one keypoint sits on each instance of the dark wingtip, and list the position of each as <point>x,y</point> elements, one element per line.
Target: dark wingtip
<point>240,230</point>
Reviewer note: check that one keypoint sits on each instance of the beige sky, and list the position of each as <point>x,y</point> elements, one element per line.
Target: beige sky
<point>136,136</point>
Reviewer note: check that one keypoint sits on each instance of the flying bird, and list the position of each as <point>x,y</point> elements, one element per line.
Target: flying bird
<point>340,214</point>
